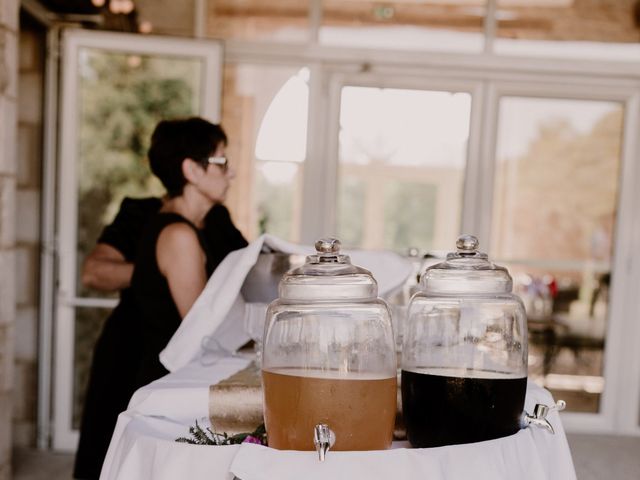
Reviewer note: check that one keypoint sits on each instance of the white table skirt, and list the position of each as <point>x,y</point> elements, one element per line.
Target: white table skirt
<point>143,445</point>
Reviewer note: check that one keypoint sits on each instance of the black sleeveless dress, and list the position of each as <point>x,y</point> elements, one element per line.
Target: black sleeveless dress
<point>112,379</point>
<point>117,358</point>
<point>159,314</point>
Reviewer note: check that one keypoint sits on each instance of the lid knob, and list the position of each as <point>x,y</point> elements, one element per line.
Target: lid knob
<point>467,244</point>
<point>328,246</point>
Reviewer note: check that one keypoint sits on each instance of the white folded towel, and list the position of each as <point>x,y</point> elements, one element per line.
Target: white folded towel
<point>216,320</point>
<point>530,454</point>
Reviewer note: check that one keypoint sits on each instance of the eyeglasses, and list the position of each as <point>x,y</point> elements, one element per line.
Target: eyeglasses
<point>222,162</point>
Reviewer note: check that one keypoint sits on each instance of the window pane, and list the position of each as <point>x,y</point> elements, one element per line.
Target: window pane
<point>352,198</point>
<point>556,190</point>
<point>265,115</point>
<point>402,160</point>
<point>451,25</point>
<point>277,184</point>
<point>122,97</point>
<point>279,21</point>
<point>409,214</point>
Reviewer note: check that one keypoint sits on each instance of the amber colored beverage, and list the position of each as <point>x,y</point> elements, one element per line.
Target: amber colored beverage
<point>360,409</point>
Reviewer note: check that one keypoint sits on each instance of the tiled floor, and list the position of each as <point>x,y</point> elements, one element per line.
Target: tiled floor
<point>598,457</point>
<point>595,458</point>
<point>38,465</point>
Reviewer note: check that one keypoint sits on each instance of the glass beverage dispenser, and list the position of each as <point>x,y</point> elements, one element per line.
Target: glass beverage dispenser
<point>464,357</point>
<point>329,358</point>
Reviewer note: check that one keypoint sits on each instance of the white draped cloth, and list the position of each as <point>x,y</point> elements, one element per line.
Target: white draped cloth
<point>143,446</point>
<point>218,314</point>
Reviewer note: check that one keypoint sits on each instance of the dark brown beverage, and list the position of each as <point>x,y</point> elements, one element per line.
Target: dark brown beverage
<point>442,409</point>
<point>360,409</point>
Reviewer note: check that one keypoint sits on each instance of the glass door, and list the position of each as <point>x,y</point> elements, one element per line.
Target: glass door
<point>555,203</point>
<point>115,88</point>
<point>559,204</point>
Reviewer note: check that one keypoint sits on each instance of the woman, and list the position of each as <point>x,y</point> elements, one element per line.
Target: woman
<point>173,261</point>
<point>118,352</point>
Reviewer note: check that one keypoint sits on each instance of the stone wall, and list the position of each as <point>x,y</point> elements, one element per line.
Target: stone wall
<point>28,178</point>
<point>8,105</point>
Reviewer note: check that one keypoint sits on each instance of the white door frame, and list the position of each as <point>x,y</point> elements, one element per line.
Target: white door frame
<point>620,398</point>
<point>626,330</point>
<point>210,53</point>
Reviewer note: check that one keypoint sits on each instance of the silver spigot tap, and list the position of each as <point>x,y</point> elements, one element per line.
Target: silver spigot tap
<point>539,416</point>
<point>323,439</point>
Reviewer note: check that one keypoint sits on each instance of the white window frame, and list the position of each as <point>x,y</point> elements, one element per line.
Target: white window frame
<point>327,194</point>
<point>497,75</point>
<point>210,52</point>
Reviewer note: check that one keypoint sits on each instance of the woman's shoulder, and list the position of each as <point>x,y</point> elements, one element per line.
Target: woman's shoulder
<point>179,230</point>
<point>167,232</point>
<point>159,224</point>
<point>178,240</point>
<point>173,229</point>
<point>124,231</point>
<point>135,212</point>
<point>146,205</point>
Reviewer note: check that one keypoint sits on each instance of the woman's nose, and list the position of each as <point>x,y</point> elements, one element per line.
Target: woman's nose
<point>231,173</point>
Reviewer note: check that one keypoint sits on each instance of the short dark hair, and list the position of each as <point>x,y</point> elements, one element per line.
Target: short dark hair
<point>174,140</point>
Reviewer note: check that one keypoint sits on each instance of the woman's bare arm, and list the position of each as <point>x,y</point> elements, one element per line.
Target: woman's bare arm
<point>106,269</point>
<point>182,261</point>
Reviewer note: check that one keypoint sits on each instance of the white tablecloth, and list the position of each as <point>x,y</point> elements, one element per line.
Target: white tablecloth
<point>143,445</point>
<point>219,312</point>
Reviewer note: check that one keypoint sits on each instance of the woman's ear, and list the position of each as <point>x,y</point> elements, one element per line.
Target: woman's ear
<point>192,170</point>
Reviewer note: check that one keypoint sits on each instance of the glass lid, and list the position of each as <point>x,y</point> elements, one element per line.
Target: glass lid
<point>466,271</point>
<point>328,275</point>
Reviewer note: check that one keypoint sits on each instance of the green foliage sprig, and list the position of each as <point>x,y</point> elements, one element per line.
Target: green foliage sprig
<point>206,436</point>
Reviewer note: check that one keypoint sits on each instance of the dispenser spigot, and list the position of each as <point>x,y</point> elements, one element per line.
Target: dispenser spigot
<point>323,439</point>
<point>539,416</point>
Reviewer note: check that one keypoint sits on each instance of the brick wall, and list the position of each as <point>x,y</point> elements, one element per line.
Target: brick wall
<point>8,105</point>
<point>28,189</point>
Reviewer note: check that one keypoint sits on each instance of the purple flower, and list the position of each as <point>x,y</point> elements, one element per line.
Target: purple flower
<point>252,439</point>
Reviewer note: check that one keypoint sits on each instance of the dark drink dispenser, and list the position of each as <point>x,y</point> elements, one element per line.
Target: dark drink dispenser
<point>464,352</point>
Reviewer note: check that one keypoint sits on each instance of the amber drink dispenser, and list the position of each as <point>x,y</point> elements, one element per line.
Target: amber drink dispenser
<point>329,363</point>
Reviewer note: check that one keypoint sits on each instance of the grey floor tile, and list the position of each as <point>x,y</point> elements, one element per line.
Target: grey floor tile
<point>598,457</point>
<point>41,465</point>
